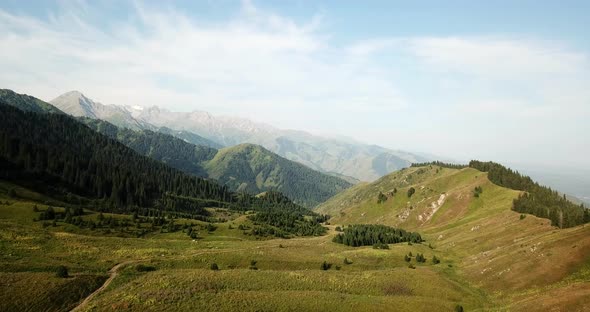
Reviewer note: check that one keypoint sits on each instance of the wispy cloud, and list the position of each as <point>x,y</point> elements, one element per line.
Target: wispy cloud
<point>262,65</point>
<point>502,58</point>
<point>255,61</point>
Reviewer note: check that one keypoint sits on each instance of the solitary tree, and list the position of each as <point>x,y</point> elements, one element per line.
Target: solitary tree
<point>61,272</point>
<point>214,266</point>
<point>253,265</point>
<point>411,192</point>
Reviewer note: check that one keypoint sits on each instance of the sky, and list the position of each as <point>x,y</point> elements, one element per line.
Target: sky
<point>507,81</point>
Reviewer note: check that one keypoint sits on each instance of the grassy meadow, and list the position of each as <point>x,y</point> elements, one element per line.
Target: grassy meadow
<point>492,259</point>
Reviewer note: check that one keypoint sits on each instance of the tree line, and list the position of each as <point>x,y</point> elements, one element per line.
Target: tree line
<point>538,200</point>
<point>238,168</point>
<point>375,234</point>
<point>61,153</point>
<point>57,155</point>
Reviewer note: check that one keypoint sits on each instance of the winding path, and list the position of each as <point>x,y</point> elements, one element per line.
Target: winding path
<point>113,272</point>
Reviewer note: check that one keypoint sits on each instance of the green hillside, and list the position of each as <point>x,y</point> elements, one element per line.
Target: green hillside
<point>26,102</point>
<point>57,155</point>
<point>517,258</point>
<point>254,169</point>
<point>170,150</point>
<point>488,257</point>
<point>430,237</point>
<point>243,168</point>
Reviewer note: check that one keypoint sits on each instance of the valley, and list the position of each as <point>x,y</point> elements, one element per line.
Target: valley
<point>96,218</point>
<point>286,156</point>
<point>490,257</point>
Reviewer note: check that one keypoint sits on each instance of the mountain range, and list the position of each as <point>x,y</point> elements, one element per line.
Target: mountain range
<point>474,237</point>
<point>243,168</point>
<point>336,156</point>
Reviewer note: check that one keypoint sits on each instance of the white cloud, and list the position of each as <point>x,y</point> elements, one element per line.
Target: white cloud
<point>256,61</point>
<point>257,64</point>
<point>499,58</point>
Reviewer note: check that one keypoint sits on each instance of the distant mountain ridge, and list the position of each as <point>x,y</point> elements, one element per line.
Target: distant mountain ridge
<point>244,168</point>
<point>254,169</point>
<point>78,105</point>
<point>26,102</point>
<point>360,161</point>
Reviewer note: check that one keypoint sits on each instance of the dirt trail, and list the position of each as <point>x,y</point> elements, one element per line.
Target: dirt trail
<point>113,272</point>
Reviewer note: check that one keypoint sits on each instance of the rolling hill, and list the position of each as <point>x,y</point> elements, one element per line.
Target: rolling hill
<point>243,168</point>
<point>254,169</point>
<point>522,260</point>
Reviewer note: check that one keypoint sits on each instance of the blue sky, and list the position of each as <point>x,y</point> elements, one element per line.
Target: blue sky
<point>501,80</point>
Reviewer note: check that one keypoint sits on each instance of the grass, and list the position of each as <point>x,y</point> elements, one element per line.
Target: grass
<point>491,259</point>
<point>493,248</point>
<point>30,291</point>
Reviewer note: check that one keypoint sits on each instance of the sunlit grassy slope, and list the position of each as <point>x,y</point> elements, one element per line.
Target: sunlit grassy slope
<point>492,260</point>
<point>288,275</point>
<point>522,261</point>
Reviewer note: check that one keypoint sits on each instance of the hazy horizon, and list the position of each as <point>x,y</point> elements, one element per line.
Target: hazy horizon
<point>461,81</point>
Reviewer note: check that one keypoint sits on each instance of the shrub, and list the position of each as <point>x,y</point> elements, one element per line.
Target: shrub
<point>211,227</point>
<point>459,308</point>
<point>338,268</point>
<point>144,268</point>
<point>338,229</point>
<point>347,261</point>
<point>435,260</point>
<point>253,265</point>
<point>522,216</point>
<point>61,272</point>
<point>214,267</point>
<point>407,259</point>
<point>477,190</point>
<point>420,258</point>
<point>326,266</point>
<point>411,192</point>
<point>380,246</point>
<point>381,198</point>
<point>411,266</point>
